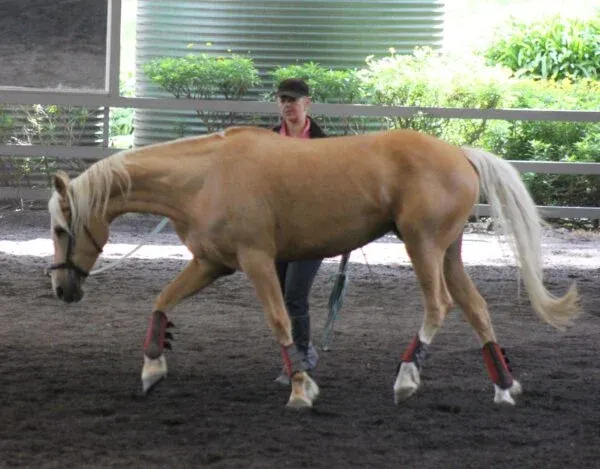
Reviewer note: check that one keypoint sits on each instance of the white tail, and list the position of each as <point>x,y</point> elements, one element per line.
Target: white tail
<point>517,217</point>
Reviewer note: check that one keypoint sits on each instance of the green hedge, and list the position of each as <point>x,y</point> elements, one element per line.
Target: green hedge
<point>431,79</point>
<point>553,48</point>
<point>552,141</point>
<point>202,76</point>
<point>205,77</point>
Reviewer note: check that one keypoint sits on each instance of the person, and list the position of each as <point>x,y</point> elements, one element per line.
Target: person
<point>296,277</point>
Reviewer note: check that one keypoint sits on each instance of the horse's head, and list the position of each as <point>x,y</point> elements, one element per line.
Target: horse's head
<point>78,240</point>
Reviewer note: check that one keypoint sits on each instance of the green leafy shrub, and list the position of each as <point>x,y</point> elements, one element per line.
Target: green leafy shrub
<point>552,48</point>
<point>205,77</point>
<point>202,76</point>
<point>6,126</point>
<point>552,141</point>
<point>121,119</point>
<point>432,79</point>
<point>326,85</point>
<point>53,125</point>
<point>44,125</point>
<point>121,126</point>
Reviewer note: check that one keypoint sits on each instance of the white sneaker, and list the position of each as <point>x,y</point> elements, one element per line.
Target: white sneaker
<point>283,378</point>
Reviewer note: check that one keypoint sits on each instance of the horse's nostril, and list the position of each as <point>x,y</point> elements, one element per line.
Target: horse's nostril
<point>59,292</point>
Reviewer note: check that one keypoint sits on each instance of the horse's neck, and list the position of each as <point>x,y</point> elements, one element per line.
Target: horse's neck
<point>163,176</point>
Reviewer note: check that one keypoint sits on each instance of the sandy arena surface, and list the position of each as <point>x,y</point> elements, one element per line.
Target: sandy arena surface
<point>69,374</point>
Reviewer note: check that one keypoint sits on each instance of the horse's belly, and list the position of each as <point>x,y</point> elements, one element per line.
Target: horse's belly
<point>331,239</point>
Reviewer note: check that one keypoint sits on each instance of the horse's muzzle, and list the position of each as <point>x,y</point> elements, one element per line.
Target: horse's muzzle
<point>70,291</point>
<point>71,294</point>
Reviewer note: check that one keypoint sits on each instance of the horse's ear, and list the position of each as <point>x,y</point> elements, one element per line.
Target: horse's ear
<point>61,183</point>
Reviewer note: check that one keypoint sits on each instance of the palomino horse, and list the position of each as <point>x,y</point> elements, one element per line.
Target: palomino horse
<point>242,198</point>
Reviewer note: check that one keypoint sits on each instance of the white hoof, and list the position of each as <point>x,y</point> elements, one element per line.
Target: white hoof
<point>304,392</point>
<point>407,382</point>
<point>153,372</point>
<point>503,396</point>
<point>516,389</point>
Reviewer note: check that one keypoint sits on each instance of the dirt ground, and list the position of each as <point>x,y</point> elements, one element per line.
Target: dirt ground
<point>57,44</point>
<point>69,374</point>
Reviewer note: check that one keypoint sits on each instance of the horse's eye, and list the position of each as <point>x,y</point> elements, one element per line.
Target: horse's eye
<point>59,232</point>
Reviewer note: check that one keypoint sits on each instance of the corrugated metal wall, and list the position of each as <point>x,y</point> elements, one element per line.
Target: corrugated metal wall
<point>333,33</point>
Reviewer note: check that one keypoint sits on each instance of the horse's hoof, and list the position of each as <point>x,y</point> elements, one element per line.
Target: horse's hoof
<point>407,382</point>
<point>516,389</point>
<point>299,403</point>
<point>312,389</point>
<point>503,396</point>
<point>153,372</point>
<point>304,392</point>
<point>149,383</point>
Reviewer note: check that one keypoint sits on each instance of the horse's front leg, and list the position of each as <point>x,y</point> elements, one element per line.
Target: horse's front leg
<point>260,269</point>
<point>196,275</point>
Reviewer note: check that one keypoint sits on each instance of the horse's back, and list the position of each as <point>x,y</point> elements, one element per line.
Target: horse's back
<point>405,147</point>
<point>396,164</point>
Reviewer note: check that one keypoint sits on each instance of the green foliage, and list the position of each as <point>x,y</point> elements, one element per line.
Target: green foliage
<point>202,76</point>
<point>41,125</point>
<point>552,141</point>
<point>121,121</point>
<point>553,48</point>
<point>205,77</point>
<point>54,125</point>
<point>326,85</point>
<point>431,79</point>
<point>6,126</point>
<point>546,140</point>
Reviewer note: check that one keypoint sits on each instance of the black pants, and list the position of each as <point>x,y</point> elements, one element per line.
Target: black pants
<point>296,279</point>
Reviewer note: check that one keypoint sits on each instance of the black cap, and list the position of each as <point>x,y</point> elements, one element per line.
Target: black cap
<point>292,87</point>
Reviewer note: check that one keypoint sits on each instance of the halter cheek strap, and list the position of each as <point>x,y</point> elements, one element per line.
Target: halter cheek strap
<point>68,262</point>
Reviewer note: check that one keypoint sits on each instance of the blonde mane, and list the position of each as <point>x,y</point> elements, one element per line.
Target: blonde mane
<point>89,193</point>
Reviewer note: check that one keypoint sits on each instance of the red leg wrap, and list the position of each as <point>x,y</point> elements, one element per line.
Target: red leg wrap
<point>292,360</point>
<point>497,365</point>
<point>155,337</point>
<point>416,352</point>
<point>285,356</point>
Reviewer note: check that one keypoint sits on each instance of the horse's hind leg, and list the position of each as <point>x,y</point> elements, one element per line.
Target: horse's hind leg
<point>427,260</point>
<point>260,269</point>
<point>475,309</point>
<point>197,275</point>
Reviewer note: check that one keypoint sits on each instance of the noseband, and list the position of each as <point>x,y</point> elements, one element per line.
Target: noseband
<point>68,263</point>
